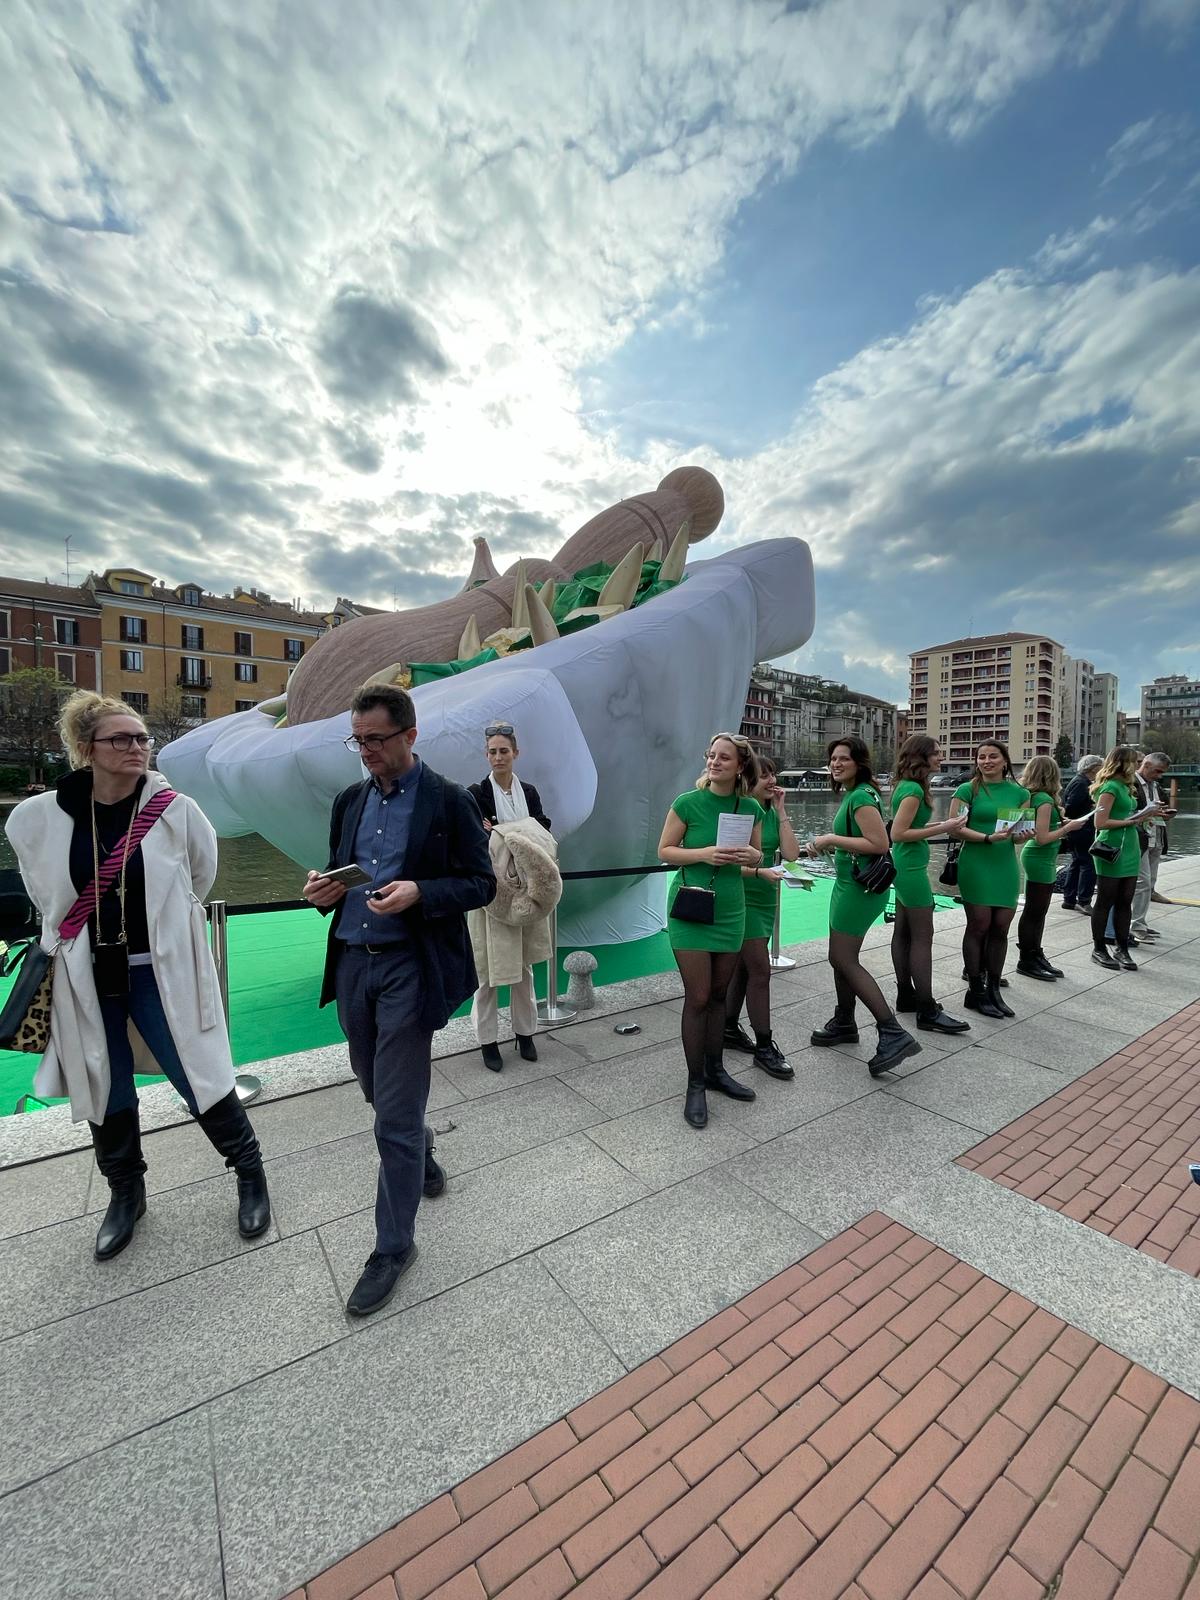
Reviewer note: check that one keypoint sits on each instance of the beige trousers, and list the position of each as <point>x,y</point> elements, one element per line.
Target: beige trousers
<point>485,1010</point>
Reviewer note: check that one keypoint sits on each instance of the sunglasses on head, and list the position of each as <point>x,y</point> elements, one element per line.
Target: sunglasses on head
<point>495,728</point>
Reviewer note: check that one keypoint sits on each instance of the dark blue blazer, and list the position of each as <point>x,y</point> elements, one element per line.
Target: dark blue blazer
<point>447,857</point>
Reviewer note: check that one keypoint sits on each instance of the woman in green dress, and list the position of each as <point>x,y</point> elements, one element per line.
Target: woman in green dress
<point>751,982</point>
<point>1039,859</point>
<point>912,932</point>
<point>988,880</point>
<point>1117,822</point>
<point>858,834</point>
<point>706,953</point>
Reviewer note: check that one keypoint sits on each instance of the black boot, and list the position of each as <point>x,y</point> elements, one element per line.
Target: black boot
<point>526,1046</point>
<point>695,1106</point>
<point>1124,960</point>
<point>895,1045</point>
<point>435,1178</point>
<point>997,999</point>
<point>979,998</point>
<point>967,978</point>
<point>840,1029</point>
<point>770,1058</point>
<point>231,1135</point>
<point>492,1059</point>
<point>1102,956</point>
<point>736,1038</point>
<point>1055,972</point>
<point>118,1145</point>
<point>1034,965</point>
<point>932,1019</point>
<point>906,997</point>
<point>715,1077</point>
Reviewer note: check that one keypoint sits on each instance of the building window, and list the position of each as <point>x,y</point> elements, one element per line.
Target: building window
<point>133,630</point>
<point>66,630</point>
<point>138,702</point>
<point>5,663</point>
<point>293,649</point>
<point>191,597</point>
<point>5,624</point>
<point>192,674</point>
<point>127,586</point>
<point>65,667</point>
<point>132,661</point>
<point>192,705</point>
<point>245,671</point>
<point>192,637</point>
<point>244,705</point>
<point>243,644</point>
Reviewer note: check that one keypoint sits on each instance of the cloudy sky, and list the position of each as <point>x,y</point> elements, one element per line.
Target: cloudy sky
<point>308,295</point>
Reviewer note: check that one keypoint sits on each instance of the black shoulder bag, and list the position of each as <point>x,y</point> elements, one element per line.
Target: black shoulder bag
<point>697,905</point>
<point>877,874</point>
<point>949,873</point>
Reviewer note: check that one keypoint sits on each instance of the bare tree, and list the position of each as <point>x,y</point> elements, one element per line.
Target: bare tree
<point>30,699</point>
<point>167,719</point>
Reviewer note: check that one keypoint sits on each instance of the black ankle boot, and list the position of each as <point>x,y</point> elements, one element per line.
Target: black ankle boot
<point>1102,956</point>
<point>117,1142</point>
<point>492,1059</point>
<point>1124,960</point>
<point>231,1134</point>
<point>1055,972</point>
<point>715,1077</point>
<point>997,999</point>
<point>695,1106</point>
<point>895,1045</point>
<point>770,1058</point>
<point>906,997</point>
<point>840,1029</point>
<point>526,1046</point>
<point>736,1038</point>
<point>1034,965</point>
<point>967,979</point>
<point>979,997</point>
<point>932,1019</point>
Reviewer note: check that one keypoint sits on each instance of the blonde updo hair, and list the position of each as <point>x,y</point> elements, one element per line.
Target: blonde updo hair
<point>81,716</point>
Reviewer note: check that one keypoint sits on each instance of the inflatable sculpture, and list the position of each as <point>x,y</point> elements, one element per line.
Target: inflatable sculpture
<point>615,661</point>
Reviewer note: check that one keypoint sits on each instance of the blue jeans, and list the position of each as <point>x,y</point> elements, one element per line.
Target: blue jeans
<point>143,1007</point>
<point>378,1003</point>
<point>1081,874</point>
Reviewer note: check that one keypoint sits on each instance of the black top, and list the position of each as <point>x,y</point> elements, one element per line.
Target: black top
<point>74,795</point>
<point>484,797</point>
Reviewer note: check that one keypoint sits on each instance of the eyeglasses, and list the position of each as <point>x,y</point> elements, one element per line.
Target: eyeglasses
<point>123,742</point>
<point>505,728</point>
<point>372,741</point>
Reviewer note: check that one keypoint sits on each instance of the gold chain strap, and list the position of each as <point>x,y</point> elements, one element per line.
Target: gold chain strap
<point>96,866</point>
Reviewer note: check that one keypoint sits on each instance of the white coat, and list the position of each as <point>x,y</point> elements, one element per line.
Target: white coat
<point>180,856</point>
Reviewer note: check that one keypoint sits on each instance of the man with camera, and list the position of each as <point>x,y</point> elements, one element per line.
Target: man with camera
<point>408,858</point>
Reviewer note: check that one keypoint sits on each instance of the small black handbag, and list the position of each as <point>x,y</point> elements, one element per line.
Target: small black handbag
<point>949,873</point>
<point>877,874</point>
<point>697,905</point>
<point>1105,852</point>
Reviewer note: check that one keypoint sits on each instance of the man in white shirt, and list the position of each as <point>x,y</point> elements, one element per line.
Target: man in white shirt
<point>1150,775</point>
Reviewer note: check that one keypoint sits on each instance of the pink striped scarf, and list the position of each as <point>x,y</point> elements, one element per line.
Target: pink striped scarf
<point>110,868</point>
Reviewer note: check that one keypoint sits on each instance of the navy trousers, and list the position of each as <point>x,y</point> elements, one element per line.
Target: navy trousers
<point>144,1006</point>
<point>378,1002</point>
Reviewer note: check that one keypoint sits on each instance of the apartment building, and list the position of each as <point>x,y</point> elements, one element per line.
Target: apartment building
<point>50,625</point>
<point>1004,686</point>
<point>791,716</point>
<point>1102,729</point>
<point>1175,700</point>
<point>220,653</point>
<point>1078,677</point>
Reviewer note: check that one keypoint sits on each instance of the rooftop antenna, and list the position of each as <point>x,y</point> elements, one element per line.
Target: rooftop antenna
<point>67,546</point>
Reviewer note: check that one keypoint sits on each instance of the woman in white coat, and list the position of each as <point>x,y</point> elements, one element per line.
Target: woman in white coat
<point>136,989</point>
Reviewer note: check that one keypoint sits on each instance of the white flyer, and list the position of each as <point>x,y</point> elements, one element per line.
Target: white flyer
<point>733,830</point>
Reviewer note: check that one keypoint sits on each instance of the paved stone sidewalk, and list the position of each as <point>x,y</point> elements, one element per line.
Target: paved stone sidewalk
<point>198,1419</point>
<point>878,1422</point>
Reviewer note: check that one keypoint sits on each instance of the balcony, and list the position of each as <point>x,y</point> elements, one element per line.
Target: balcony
<point>198,685</point>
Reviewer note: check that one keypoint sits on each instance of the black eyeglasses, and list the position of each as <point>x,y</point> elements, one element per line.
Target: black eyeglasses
<point>505,728</point>
<point>125,741</point>
<point>372,741</point>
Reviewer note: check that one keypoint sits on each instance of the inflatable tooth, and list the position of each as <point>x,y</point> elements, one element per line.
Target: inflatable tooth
<point>612,719</point>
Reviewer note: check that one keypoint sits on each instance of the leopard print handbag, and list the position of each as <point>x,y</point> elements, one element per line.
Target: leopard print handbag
<point>25,1019</point>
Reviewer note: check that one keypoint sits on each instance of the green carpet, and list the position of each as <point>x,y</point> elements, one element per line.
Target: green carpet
<point>276,960</point>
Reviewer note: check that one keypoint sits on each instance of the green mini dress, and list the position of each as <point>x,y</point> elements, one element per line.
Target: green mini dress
<point>911,856</point>
<point>1124,805</point>
<point>763,893</point>
<point>987,873</point>
<point>852,909</point>
<point>1040,861</point>
<point>698,810</point>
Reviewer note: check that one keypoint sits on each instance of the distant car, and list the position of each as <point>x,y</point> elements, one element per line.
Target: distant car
<point>35,788</point>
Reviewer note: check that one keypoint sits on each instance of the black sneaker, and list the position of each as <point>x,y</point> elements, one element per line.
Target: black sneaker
<point>736,1038</point>
<point>770,1058</point>
<point>435,1177</point>
<point>377,1282</point>
<point>1103,959</point>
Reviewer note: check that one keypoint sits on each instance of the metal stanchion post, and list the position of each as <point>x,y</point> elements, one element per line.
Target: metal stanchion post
<point>549,1009</point>
<point>248,1086</point>
<point>779,963</point>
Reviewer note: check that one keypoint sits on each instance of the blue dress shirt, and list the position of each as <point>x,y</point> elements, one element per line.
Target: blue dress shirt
<point>379,848</point>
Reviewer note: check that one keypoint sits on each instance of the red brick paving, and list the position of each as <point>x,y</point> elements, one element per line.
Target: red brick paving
<point>1111,1149</point>
<point>879,1422</point>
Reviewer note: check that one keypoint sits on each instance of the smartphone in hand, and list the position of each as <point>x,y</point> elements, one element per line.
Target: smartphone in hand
<point>349,877</point>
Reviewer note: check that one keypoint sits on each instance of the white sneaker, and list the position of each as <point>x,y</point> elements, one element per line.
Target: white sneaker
<point>1146,935</point>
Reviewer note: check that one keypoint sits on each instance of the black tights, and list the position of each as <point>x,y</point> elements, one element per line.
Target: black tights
<point>852,980</point>
<point>751,986</point>
<point>912,950</point>
<point>985,939</point>
<point>706,975</point>
<point>1033,919</point>
<point>1115,895</point>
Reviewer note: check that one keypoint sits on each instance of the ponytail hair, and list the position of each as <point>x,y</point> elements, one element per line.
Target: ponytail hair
<point>80,717</point>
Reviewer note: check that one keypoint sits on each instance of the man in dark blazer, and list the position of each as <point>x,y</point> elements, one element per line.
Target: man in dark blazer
<point>398,962</point>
